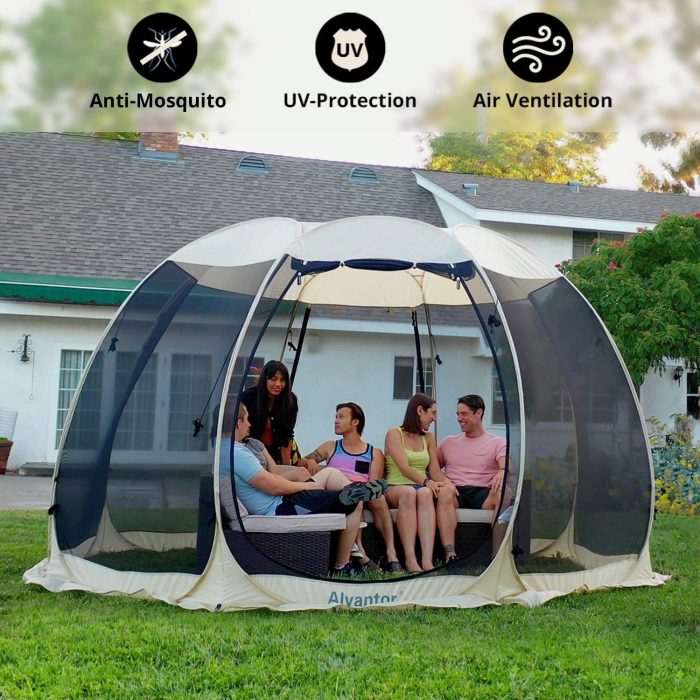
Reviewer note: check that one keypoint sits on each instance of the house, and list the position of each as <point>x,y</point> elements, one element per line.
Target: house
<point>83,219</point>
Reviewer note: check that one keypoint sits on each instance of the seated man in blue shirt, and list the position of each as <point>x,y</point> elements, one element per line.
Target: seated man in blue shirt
<point>265,493</point>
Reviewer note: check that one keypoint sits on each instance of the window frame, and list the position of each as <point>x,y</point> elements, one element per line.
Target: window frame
<point>428,372</point>
<point>611,236</point>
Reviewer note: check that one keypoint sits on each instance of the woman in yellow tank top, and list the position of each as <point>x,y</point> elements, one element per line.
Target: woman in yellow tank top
<point>414,477</point>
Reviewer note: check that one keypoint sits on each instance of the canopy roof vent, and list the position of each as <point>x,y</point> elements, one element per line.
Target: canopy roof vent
<point>364,176</point>
<point>252,164</point>
<point>574,186</point>
<point>471,188</point>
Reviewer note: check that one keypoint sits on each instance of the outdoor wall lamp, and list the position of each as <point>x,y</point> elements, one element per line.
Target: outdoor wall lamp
<point>24,348</point>
<point>678,373</point>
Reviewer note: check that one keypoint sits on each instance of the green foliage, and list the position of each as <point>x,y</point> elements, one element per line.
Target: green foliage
<point>74,644</point>
<point>647,291</point>
<point>600,25</point>
<point>546,156</point>
<point>677,178</point>
<point>676,467</point>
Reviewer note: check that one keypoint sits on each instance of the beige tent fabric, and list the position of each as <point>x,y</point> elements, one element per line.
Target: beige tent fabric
<point>224,585</point>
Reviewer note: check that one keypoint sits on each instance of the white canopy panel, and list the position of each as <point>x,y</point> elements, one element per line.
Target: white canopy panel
<point>252,244</point>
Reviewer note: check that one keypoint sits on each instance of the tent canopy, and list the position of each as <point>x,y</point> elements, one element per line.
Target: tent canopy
<point>374,242</point>
<point>135,506</point>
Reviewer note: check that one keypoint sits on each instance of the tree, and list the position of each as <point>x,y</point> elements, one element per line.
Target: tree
<point>625,48</point>
<point>78,48</point>
<point>548,156</point>
<point>647,291</point>
<point>677,178</point>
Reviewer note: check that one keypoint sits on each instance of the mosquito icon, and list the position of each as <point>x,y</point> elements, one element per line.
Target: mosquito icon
<point>164,44</point>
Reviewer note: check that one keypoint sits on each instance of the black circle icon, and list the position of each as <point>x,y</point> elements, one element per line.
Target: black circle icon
<point>350,47</point>
<point>162,47</point>
<point>538,47</point>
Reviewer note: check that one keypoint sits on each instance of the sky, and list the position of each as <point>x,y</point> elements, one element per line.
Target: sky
<point>273,53</point>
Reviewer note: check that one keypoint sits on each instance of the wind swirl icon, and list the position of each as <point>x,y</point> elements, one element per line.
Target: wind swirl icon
<point>545,34</point>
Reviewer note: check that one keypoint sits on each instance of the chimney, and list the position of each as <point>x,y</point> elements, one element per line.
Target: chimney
<point>159,145</point>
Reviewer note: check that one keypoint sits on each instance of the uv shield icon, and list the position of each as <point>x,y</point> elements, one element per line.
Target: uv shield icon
<point>350,47</point>
<point>538,47</point>
<point>349,51</point>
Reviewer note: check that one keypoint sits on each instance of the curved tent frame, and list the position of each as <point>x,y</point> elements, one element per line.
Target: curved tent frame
<point>590,502</point>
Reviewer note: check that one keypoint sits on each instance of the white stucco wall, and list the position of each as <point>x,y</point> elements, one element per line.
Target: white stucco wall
<point>336,365</point>
<point>32,387</point>
<point>661,395</point>
<point>551,244</point>
<point>348,366</point>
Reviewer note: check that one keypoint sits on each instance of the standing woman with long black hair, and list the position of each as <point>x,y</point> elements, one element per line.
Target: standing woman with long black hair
<point>272,409</point>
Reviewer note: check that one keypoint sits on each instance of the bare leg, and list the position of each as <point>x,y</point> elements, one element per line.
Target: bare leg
<point>404,498</point>
<point>426,526</point>
<point>347,536</point>
<point>447,518</point>
<point>331,479</point>
<point>294,473</point>
<point>385,525</point>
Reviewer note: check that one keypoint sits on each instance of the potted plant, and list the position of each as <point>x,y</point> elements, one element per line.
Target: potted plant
<point>5,447</point>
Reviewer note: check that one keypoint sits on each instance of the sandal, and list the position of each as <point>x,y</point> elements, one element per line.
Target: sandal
<point>394,567</point>
<point>369,564</point>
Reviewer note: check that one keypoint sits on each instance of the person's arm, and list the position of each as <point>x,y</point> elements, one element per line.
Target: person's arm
<point>378,467</point>
<point>440,455</point>
<point>321,454</point>
<point>279,486</point>
<point>395,450</point>
<point>286,453</point>
<point>497,481</point>
<point>272,466</point>
<point>435,478</point>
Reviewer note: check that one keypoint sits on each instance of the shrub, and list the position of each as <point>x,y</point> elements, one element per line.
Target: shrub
<point>676,467</point>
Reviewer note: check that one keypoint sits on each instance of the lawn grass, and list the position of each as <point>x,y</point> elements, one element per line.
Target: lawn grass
<point>636,643</point>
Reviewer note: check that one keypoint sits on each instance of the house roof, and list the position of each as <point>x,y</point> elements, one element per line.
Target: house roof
<point>499,194</point>
<point>82,206</point>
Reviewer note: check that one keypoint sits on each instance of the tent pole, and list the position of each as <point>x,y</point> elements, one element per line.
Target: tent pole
<point>287,342</point>
<point>302,333</point>
<point>419,358</point>
<point>434,358</point>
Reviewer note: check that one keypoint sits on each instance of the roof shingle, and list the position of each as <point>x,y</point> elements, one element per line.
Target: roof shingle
<point>78,205</point>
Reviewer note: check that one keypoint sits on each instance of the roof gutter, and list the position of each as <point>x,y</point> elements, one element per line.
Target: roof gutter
<point>64,290</point>
<point>523,217</point>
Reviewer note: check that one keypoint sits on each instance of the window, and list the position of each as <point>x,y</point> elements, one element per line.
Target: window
<point>693,391</point>
<point>498,411</point>
<point>583,240</point>
<point>135,431</point>
<point>72,366</point>
<point>253,372</point>
<point>407,379</point>
<point>558,409</point>
<point>190,384</point>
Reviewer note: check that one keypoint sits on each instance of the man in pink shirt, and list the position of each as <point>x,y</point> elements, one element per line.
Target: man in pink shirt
<point>474,462</point>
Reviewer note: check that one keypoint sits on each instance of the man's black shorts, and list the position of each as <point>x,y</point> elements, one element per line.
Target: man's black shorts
<point>472,496</point>
<point>314,501</point>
